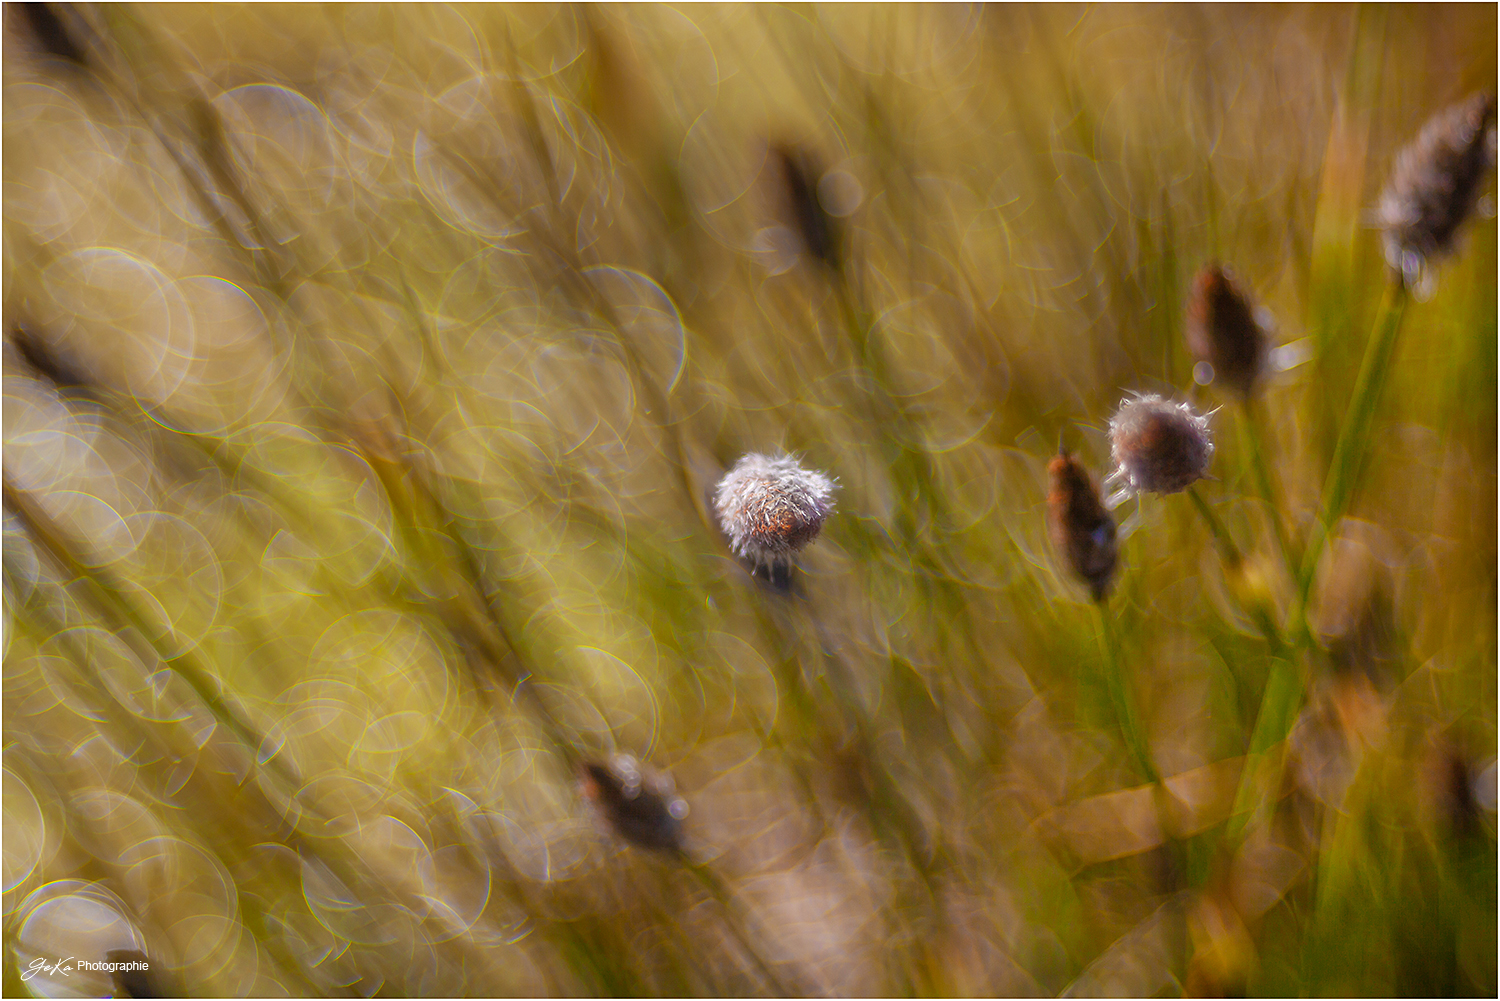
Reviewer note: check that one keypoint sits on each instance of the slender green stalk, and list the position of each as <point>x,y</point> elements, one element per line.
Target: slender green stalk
<point>1278,711</point>
<point>1279,701</point>
<point>1228,551</point>
<point>1114,680</point>
<point>1250,433</point>
<point>1230,554</point>
<point>1284,686</point>
<point>903,442</point>
<point>1353,442</point>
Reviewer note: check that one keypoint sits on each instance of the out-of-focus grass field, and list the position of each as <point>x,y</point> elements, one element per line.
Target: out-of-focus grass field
<point>401,348</point>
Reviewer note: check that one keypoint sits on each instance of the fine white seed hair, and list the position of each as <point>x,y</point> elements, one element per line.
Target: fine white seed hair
<point>770,507</point>
<point>1159,446</point>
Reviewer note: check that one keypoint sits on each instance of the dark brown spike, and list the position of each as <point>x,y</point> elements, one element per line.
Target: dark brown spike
<point>1435,183</point>
<point>51,33</point>
<point>1082,530</point>
<point>43,359</point>
<point>818,230</point>
<point>639,806</point>
<point>1222,329</point>
<point>141,983</point>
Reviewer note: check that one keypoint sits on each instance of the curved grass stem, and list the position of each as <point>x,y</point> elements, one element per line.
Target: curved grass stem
<point>1284,687</point>
<point>1262,773</point>
<point>1352,445</point>
<point>1119,697</point>
<point>1228,551</point>
<point>1250,432</point>
<point>1230,554</point>
<point>1279,701</point>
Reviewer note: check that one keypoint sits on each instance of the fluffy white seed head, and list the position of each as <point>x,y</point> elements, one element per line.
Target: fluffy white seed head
<point>1158,446</point>
<point>770,507</point>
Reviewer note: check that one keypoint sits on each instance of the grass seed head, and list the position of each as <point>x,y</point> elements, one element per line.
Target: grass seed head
<point>1448,779</point>
<point>44,358</point>
<point>140,981</point>
<point>818,230</point>
<point>51,31</point>
<point>1353,611</point>
<point>639,804</point>
<point>1082,530</point>
<point>1435,184</point>
<point>1159,447</point>
<point>771,507</point>
<point>1222,329</point>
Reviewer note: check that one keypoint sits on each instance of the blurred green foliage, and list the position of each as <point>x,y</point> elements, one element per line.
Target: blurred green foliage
<point>368,373</point>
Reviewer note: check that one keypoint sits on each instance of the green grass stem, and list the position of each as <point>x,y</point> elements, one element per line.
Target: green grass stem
<point>1353,442</point>
<point>1233,560</point>
<point>1284,687</point>
<point>1119,697</point>
<point>1278,711</point>
<point>1280,699</point>
<point>1254,447</point>
<point>1228,551</point>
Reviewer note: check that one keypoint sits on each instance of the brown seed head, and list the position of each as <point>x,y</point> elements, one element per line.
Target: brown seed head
<point>1222,330</point>
<point>639,804</point>
<point>1082,530</point>
<point>818,230</point>
<point>1353,609</point>
<point>1435,184</point>
<point>1449,782</point>
<point>43,357</point>
<point>1159,447</point>
<point>50,30</point>
<point>134,977</point>
<point>771,507</point>
<point>1223,951</point>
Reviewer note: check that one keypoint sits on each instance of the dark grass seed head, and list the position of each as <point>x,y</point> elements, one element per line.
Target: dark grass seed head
<point>639,804</point>
<point>1435,184</point>
<point>1455,787</point>
<point>44,358</point>
<point>1222,330</point>
<point>51,32</point>
<point>819,231</point>
<point>1082,530</point>
<point>141,981</point>
<point>771,507</point>
<point>1159,447</point>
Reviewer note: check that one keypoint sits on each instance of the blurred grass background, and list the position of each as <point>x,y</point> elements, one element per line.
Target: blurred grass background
<point>368,372</point>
